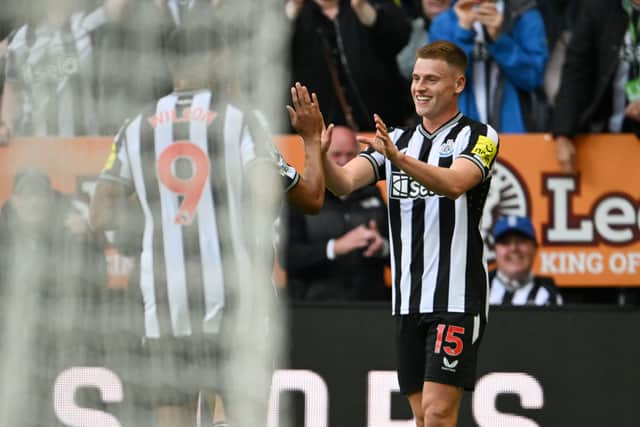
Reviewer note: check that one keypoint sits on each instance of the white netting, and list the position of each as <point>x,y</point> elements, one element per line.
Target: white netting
<point>71,347</point>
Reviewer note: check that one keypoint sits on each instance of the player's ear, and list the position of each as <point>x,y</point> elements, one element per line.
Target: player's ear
<point>460,83</point>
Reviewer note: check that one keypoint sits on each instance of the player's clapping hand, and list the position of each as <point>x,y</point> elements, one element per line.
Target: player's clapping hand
<point>305,114</point>
<point>381,142</point>
<point>376,243</point>
<point>325,138</point>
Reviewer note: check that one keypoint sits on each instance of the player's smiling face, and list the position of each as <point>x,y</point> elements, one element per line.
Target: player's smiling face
<point>435,87</point>
<point>515,255</point>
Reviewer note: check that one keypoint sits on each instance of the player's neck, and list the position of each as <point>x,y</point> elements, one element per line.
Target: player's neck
<point>432,124</point>
<point>184,85</point>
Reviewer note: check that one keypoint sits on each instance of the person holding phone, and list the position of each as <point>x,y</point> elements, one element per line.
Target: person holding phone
<point>507,50</point>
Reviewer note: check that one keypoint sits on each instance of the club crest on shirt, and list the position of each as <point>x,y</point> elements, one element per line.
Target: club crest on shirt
<point>446,149</point>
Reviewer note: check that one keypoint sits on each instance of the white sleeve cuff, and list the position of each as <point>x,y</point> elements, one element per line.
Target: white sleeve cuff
<point>331,253</point>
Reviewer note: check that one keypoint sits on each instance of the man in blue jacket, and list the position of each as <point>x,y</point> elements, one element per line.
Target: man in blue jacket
<point>507,50</point>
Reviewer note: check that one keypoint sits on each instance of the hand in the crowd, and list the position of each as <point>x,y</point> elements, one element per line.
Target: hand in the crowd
<point>292,8</point>
<point>633,110</point>
<point>75,223</point>
<point>5,134</point>
<point>115,8</point>
<point>381,142</point>
<point>365,12</point>
<point>488,15</point>
<point>465,11</point>
<point>305,114</point>
<point>376,244</point>
<point>566,154</point>
<point>358,238</point>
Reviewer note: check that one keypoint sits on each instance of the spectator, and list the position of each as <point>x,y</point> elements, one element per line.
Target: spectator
<point>427,10</point>
<point>507,50</point>
<point>345,51</point>
<point>512,282</point>
<point>559,18</point>
<point>49,86</point>
<point>599,89</point>
<point>52,281</point>
<point>340,253</point>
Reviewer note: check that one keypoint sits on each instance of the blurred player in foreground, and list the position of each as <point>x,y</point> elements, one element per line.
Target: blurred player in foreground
<point>204,173</point>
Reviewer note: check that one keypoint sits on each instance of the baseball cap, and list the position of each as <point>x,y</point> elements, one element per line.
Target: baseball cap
<point>514,224</point>
<point>29,180</point>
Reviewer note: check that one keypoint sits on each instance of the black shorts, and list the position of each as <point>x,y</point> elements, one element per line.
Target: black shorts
<point>177,369</point>
<point>438,347</point>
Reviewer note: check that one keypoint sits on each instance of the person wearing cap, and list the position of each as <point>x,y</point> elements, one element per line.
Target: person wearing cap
<point>513,282</point>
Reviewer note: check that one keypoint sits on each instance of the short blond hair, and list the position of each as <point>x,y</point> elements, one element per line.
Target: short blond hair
<point>446,51</point>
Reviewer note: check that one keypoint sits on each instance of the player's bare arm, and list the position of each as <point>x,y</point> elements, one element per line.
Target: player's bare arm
<point>450,182</point>
<point>106,198</point>
<point>307,120</point>
<point>342,180</point>
<point>350,177</point>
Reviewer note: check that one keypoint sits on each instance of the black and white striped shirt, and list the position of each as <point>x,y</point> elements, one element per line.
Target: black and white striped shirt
<point>52,70</point>
<point>536,291</point>
<point>186,161</point>
<point>437,254</point>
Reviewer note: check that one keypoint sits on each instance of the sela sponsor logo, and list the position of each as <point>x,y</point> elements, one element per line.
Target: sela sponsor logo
<point>53,69</point>
<point>449,366</point>
<point>405,187</point>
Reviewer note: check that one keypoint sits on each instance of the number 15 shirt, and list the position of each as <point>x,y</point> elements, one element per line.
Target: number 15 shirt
<point>186,160</point>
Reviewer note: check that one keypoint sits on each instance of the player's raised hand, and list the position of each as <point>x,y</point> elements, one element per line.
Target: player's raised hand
<point>325,138</point>
<point>305,114</point>
<point>381,142</point>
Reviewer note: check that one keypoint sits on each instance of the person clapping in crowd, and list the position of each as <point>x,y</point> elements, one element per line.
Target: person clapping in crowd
<point>345,51</point>
<point>507,50</point>
<point>340,253</point>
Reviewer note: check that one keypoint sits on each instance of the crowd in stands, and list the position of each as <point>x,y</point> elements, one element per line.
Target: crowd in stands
<point>561,67</point>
